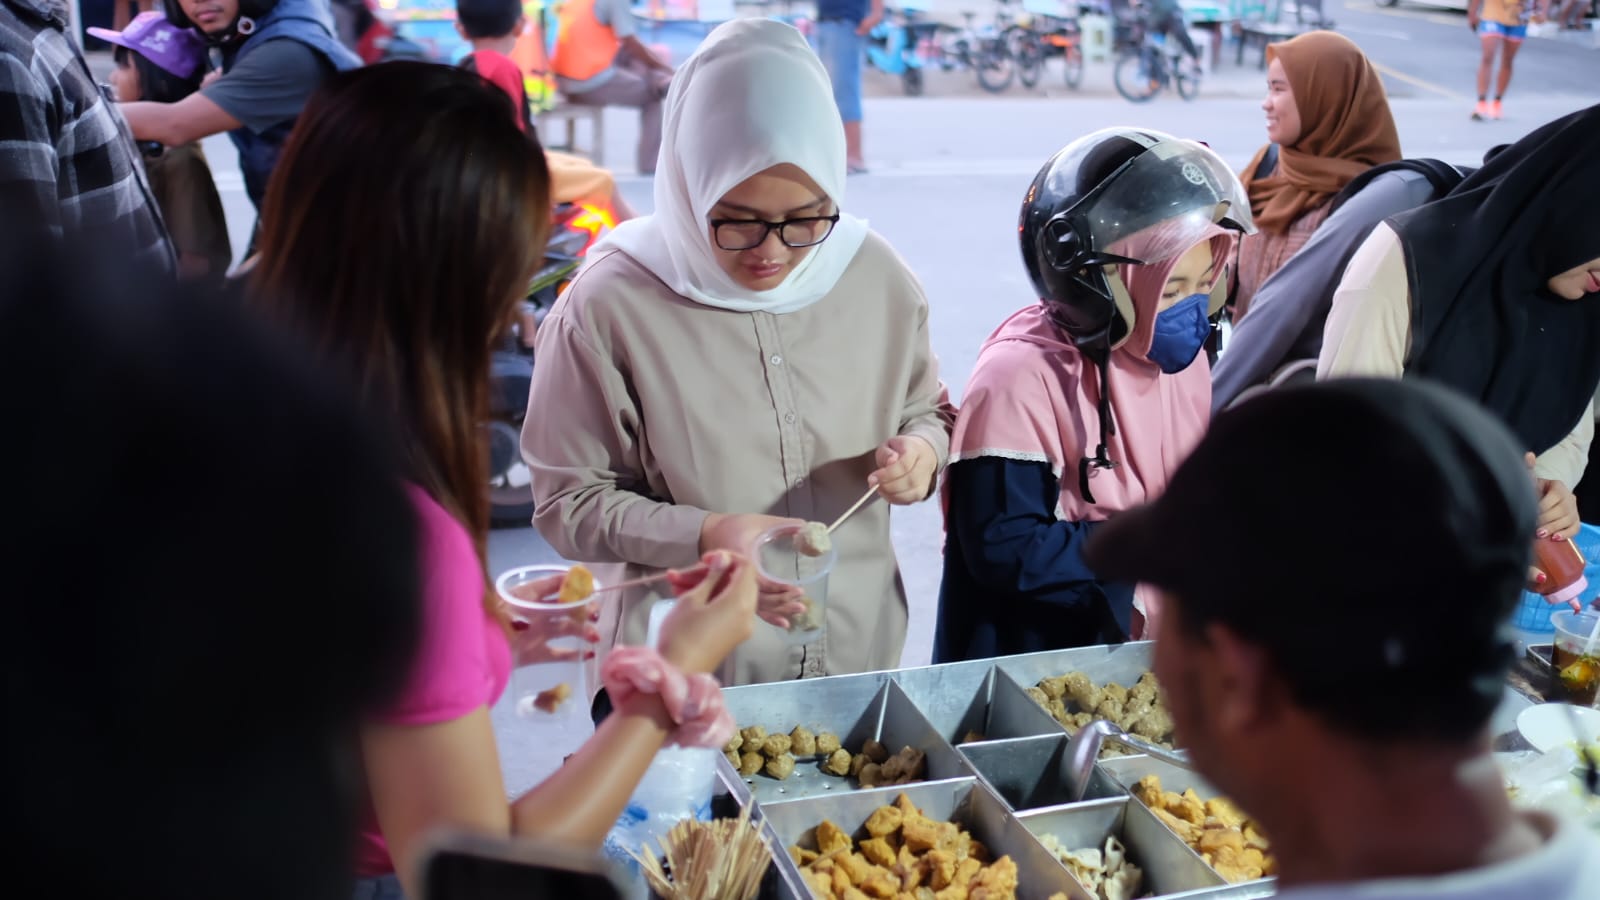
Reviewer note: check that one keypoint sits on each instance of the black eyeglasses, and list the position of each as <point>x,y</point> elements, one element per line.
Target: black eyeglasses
<point>748,234</point>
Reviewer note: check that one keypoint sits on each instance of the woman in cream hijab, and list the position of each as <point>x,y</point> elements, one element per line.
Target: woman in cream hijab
<point>748,356</point>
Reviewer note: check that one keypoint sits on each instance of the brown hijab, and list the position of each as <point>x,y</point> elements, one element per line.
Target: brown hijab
<point>1346,128</point>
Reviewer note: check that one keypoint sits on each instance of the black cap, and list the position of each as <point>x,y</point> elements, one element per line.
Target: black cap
<point>1359,529</point>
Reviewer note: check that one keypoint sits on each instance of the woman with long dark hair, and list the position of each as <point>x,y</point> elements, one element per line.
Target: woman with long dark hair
<point>401,226</point>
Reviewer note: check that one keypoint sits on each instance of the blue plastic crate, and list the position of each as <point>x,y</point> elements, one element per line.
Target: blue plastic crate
<point>1533,613</point>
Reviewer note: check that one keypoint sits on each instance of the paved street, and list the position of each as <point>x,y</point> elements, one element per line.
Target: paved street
<point>949,170</point>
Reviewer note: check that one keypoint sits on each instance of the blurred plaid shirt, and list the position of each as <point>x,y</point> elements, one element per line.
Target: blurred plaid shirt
<point>68,164</point>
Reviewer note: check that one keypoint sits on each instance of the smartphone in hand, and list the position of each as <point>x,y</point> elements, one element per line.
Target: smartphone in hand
<point>460,866</point>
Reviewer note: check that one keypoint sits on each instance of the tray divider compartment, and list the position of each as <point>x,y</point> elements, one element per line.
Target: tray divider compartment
<point>908,727</point>
<point>1012,713</point>
<point>954,697</point>
<point>1028,773</point>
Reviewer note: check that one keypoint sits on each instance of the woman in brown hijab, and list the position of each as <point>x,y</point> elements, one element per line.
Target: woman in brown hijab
<point>1328,121</point>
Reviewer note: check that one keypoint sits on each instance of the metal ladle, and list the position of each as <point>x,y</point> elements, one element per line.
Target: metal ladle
<point>1083,750</point>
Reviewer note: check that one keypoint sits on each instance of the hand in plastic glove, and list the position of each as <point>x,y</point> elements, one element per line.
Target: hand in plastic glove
<point>715,612</point>
<point>738,534</point>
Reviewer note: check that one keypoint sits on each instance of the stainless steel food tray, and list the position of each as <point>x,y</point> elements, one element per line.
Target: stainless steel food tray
<point>856,711</point>
<point>1005,788</point>
<point>1127,771</point>
<point>964,801</point>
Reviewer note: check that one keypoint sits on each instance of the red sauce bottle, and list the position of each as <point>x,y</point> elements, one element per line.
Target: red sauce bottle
<point>1563,564</point>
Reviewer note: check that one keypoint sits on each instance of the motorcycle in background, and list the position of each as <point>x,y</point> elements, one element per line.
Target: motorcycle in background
<point>574,229</point>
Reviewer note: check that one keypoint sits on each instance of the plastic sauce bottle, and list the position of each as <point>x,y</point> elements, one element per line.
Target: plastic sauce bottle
<point>1563,564</point>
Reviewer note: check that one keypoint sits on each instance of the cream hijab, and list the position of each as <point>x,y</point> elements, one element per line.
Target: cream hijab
<point>753,96</point>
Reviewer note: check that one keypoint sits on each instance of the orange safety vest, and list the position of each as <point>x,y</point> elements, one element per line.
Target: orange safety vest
<point>585,46</point>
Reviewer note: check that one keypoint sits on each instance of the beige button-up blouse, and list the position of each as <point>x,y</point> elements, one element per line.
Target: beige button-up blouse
<point>649,411</point>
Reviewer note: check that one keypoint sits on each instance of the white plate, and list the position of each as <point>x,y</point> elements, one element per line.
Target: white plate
<point>1547,726</point>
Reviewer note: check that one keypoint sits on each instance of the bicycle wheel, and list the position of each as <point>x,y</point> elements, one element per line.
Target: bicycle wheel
<point>911,81</point>
<point>1027,51</point>
<point>1072,59</point>
<point>995,69</point>
<point>1134,79</point>
<point>1186,78</point>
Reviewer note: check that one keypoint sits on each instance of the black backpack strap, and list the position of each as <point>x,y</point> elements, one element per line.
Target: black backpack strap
<point>1268,164</point>
<point>1440,174</point>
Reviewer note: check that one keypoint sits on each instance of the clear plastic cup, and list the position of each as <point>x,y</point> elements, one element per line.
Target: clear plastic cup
<point>559,688</point>
<point>779,558</point>
<point>1577,658</point>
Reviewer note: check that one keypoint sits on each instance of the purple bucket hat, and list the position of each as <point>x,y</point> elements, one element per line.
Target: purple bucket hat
<point>150,35</point>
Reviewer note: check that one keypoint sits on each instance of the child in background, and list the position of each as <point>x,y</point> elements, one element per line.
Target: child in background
<point>492,27</point>
<point>160,62</point>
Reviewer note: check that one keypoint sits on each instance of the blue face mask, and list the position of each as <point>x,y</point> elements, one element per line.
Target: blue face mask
<point>1180,333</point>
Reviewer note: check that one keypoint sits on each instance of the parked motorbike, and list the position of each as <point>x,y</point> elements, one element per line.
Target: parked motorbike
<point>893,48</point>
<point>575,227</point>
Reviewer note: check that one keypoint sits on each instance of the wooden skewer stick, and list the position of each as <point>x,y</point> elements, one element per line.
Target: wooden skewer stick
<point>648,579</point>
<point>652,579</point>
<point>871,492</point>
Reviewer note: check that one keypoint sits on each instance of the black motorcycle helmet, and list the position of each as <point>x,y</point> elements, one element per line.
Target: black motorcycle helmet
<point>1119,195</point>
<point>250,11</point>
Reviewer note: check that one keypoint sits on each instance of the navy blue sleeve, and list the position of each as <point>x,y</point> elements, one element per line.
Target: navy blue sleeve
<point>1003,514</point>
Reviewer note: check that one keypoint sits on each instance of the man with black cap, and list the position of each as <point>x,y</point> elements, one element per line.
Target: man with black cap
<point>1339,684</point>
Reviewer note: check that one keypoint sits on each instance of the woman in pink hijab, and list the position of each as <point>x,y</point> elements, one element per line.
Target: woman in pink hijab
<point>1084,404</point>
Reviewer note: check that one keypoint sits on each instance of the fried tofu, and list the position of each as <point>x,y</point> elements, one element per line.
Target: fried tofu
<point>1149,792</point>
<point>1214,839</point>
<point>881,884</point>
<point>919,834</point>
<point>830,838</point>
<point>906,859</point>
<point>1236,867</point>
<point>995,881</point>
<point>856,866</point>
<point>879,853</point>
<point>1186,806</point>
<point>820,883</point>
<point>885,821</point>
<point>967,869</point>
<point>1186,830</point>
<point>1226,814</point>
<point>940,868</point>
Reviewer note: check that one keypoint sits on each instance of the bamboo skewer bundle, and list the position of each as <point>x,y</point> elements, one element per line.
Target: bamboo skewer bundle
<point>718,860</point>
